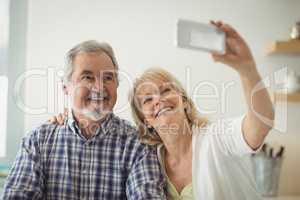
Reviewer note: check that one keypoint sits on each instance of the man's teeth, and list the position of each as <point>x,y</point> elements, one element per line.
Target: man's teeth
<point>96,97</point>
<point>163,110</point>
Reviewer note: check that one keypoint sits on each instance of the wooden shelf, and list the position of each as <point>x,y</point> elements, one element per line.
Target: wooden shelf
<point>284,47</point>
<point>292,97</point>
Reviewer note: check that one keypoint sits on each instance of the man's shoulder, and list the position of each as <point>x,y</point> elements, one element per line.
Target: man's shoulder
<point>44,131</point>
<point>123,126</point>
<point>127,133</point>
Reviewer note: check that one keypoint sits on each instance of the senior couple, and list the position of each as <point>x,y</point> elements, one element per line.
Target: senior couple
<point>173,153</point>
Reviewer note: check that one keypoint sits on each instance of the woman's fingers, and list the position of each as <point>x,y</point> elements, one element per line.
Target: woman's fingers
<point>53,120</point>
<point>219,57</point>
<point>225,27</point>
<point>233,46</point>
<point>228,59</point>
<point>237,51</point>
<point>66,112</point>
<point>216,23</point>
<point>213,22</point>
<point>59,119</point>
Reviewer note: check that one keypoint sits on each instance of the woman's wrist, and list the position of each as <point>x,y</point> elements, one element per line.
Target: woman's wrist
<point>248,70</point>
<point>251,76</point>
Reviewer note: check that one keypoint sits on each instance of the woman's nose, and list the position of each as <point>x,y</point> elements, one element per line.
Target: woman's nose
<point>156,100</point>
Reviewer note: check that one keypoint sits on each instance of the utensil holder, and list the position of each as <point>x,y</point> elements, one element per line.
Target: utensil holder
<point>267,174</point>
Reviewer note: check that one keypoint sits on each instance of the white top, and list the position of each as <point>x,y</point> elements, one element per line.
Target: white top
<point>221,162</point>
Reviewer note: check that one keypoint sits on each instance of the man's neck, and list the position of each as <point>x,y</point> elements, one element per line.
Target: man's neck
<point>87,126</point>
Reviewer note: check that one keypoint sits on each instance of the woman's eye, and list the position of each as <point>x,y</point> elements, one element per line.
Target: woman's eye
<point>147,99</point>
<point>166,90</point>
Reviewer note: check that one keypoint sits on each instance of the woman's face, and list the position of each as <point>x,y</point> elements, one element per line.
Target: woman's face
<point>160,104</point>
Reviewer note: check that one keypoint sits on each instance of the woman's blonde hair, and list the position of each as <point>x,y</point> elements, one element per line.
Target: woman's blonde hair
<point>149,135</point>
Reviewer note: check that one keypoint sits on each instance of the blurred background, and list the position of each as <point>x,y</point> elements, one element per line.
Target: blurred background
<point>36,34</point>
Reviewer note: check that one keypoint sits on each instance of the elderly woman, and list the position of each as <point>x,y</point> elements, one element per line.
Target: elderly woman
<point>201,159</point>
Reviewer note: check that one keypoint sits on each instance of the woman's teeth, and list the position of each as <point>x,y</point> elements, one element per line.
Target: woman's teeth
<point>163,110</point>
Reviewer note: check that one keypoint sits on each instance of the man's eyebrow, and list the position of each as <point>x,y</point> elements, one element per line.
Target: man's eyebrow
<point>86,72</point>
<point>111,73</point>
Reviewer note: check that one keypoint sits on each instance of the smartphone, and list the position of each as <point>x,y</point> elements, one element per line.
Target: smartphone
<point>200,36</point>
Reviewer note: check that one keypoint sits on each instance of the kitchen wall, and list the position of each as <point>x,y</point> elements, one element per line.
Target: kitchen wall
<point>143,34</point>
<point>16,67</point>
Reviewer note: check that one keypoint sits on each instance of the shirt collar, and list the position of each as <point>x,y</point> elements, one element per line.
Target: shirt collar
<point>105,125</point>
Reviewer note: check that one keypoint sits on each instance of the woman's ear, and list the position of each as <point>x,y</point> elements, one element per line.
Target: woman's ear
<point>150,128</point>
<point>147,123</point>
<point>186,106</point>
<point>184,102</point>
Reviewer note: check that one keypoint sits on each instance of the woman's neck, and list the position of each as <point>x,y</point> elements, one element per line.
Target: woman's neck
<point>178,142</point>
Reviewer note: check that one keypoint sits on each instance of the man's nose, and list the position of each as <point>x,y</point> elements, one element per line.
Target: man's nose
<point>98,84</point>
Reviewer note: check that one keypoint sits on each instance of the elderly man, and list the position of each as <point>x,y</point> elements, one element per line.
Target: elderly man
<point>94,154</point>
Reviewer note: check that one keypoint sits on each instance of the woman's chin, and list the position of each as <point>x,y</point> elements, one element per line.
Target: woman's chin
<point>167,122</point>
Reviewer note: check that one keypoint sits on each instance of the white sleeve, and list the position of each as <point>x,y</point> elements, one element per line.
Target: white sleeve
<point>229,136</point>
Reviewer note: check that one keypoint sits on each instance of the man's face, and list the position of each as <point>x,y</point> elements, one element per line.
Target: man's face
<point>93,85</point>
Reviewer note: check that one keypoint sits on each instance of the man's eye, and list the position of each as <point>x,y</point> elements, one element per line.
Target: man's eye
<point>87,77</point>
<point>108,78</point>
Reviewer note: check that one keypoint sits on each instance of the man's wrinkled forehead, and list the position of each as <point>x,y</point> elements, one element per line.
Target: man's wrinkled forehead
<point>95,62</point>
<point>99,73</point>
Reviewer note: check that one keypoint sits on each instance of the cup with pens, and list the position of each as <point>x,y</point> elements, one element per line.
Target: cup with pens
<point>267,166</point>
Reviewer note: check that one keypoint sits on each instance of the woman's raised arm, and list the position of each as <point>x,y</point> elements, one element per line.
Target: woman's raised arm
<point>260,116</point>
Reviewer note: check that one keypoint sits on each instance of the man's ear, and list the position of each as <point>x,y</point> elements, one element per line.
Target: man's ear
<point>65,89</point>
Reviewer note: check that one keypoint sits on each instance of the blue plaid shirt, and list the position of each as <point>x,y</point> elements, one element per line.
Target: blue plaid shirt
<point>57,162</point>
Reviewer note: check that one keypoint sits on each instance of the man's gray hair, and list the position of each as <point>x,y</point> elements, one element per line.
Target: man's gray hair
<point>90,46</point>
